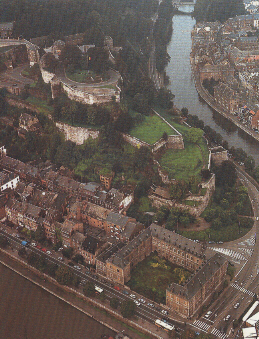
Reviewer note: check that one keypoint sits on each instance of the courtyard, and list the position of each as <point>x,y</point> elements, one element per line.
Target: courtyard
<point>152,276</point>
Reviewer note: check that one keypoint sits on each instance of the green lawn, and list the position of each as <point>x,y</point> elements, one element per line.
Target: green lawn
<point>79,75</point>
<point>151,129</point>
<point>181,164</point>
<point>152,276</point>
<point>42,105</point>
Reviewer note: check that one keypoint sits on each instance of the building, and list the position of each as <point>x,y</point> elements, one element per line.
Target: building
<point>28,123</point>
<point>6,30</point>
<point>208,270</point>
<point>186,299</point>
<point>226,97</point>
<point>8,180</point>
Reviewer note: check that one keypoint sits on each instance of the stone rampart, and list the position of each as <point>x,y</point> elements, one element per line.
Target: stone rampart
<point>175,141</point>
<point>46,76</point>
<point>135,142</point>
<point>77,135</point>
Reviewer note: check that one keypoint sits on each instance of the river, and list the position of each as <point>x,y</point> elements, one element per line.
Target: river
<point>182,86</point>
<point>29,312</point>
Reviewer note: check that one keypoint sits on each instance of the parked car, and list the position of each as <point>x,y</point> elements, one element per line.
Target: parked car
<point>48,252</point>
<point>44,249</point>
<point>164,312</point>
<point>39,247</point>
<point>125,292</point>
<point>236,305</point>
<point>227,317</point>
<point>33,244</point>
<point>207,315</point>
<point>151,305</point>
<point>137,302</point>
<point>133,296</point>
<point>60,258</point>
<point>117,288</point>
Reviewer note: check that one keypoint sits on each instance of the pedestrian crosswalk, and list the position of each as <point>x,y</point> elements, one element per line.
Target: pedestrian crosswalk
<point>248,251</point>
<point>201,325</point>
<point>249,242</point>
<point>229,253</point>
<point>218,334</point>
<point>242,289</point>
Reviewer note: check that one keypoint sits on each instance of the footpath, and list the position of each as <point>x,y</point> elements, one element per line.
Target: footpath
<point>96,312</point>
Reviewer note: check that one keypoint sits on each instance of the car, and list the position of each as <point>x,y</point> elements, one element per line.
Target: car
<point>60,249</point>
<point>33,244</point>
<point>65,246</point>
<point>164,312</point>
<point>236,305</point>
<point>60,258</point>
<point>220,242</point>
<point>78,268</point>
<point>208,314</point>
<point>151,305</point>
<point>117,288</point>
<point>125,292</point>
<point>44,249</point>
<point>137,302</point>
<point>39,247</point>
<point>48,252</point>
<point>227,317</point>
<point>142,300</point>
<point>132,296</point>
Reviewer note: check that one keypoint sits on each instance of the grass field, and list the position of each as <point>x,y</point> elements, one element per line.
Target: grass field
<point>151,129</point>
<point>152,276</point>
<point>79,76</point>
<point>181,164</point>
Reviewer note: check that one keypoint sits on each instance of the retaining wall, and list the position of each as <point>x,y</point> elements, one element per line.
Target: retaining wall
<point>77,135</point>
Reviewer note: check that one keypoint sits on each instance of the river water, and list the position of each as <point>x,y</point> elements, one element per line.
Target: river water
<point>183,87</point>
<point>29,312</point>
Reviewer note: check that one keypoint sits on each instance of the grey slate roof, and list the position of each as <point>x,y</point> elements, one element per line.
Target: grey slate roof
<point>199,278</point>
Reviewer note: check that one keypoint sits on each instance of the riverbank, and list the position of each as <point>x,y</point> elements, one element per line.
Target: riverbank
<point>88,308</point>
<point>204,94</point>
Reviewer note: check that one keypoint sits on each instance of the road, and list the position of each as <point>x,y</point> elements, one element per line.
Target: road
<point>245,284</point>
<point>144,311</point>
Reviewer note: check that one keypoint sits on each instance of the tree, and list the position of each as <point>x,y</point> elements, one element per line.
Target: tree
<point>22,252</point>
<point>71,55</point>
<point>128,309</point>
<point>114,302</point>
<point>185,112</point>
<point>194,135</point>
<point>226,174</point>
<point>65,276</point>
<point>3,241</point>
<point>68,252</point>
<point>50,62</point>
<point>40,234</point>
<point>89,289</point>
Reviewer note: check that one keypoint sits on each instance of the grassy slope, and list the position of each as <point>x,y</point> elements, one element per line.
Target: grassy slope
<point>151,129</point>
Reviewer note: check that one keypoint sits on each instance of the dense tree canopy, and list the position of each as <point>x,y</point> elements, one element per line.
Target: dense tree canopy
<point>221,10</point>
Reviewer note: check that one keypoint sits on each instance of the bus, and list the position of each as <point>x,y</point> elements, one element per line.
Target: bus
<point>164,325</point>
<point>98,289</point>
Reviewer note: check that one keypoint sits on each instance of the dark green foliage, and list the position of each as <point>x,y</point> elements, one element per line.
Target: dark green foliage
<point>221,10</point>
<point>65,276</point>
<point>22,252</point>
<point>114,302</point>
<point>128,309</point>
<point>40,234</point>
<point>226,174</point>
<point>89,290</point>
<point>3,242</point>
<point>231,271</point>
<point>78,258</point>
<point>67,252</point>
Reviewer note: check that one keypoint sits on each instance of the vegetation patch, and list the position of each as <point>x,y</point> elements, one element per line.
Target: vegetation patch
<point>181,164</point>
<point>42,105</point>
<point>192,203</point>
<point>151,129</point>
<point>152,276</point>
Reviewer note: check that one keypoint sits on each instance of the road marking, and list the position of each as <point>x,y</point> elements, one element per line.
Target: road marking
<point>218,334</point>
<point>229,253</point>
<point>201,325</point>
<point>244,290</point>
